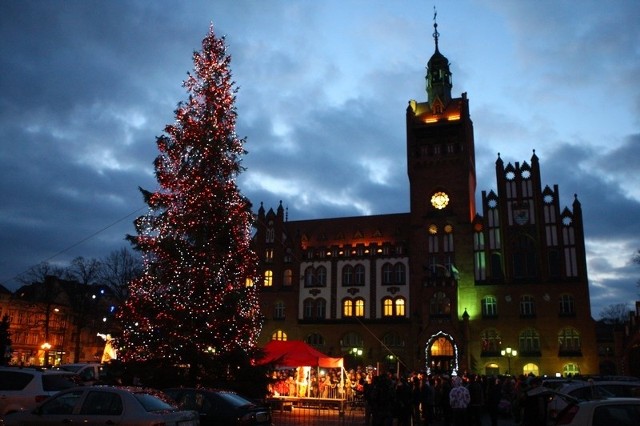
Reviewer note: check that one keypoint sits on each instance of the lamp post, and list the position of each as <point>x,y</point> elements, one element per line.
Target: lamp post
<point>508,353</point>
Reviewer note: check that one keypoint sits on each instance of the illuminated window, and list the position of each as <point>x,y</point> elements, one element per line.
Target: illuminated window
<point>387,307</point>
<point>359,308</point>
<point>531,368</point>
<point>399,304</point>
<point>570,370</point>
<point>279,335</point>
<point>441,347</point>
<point>347,308</point>
<point>268,278</point>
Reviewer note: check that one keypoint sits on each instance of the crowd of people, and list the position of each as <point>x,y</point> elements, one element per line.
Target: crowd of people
<point>418,398</point>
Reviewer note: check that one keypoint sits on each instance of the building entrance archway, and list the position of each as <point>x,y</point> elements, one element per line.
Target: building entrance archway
<point>441,354</point>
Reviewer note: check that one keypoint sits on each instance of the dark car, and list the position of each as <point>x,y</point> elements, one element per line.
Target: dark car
<point>221,407</point>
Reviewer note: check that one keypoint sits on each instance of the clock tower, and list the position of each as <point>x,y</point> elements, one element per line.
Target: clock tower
<point>441,169</point>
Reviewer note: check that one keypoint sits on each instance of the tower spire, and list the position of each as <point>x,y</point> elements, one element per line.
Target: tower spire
<point>436,34</point>
<point>438,72</point>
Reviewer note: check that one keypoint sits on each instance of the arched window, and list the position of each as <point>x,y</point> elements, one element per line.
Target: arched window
<point>309,278</point>
<point>347,275</point>
<point>359,274</point>
<point>489,307</point>
<point>359,307</point>
<point>531,368</point>
<point>393,340</point>
<point>529,342</point>
<point>321,308</point>
<point>268,278</point>
<point>399,305</point>
<point>350,340</point>
<point>400,273</point>
<point>570,370</point>
<point>321,276</point>
<point>569,340</point>
<point>316,340</point>
<point>527,306</point>
<point>347,308</point>
<point>524,259</point>
<point>491,343</point>
<point>387,274</point>
<point>279,335</point>
<point>440,304</point>
<point>387,307</point>
<point>307,308</point>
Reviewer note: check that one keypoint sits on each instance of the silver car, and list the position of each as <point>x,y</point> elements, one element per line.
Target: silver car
<point>601,412</point>
<point>100,405</point>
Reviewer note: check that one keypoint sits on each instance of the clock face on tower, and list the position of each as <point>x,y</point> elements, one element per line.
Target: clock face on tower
<point>439,200</point>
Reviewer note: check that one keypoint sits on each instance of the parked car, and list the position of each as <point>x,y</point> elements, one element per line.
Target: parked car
<point>103,405</point>
<point>590,390</point>
<point>601,412</point>
<point>23,388</point>
<point>89,373</point>
<point>221,407</point>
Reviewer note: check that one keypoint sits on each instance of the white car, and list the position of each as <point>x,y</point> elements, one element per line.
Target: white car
<point>590,390</point>
<point>105,405</point>
<point>601,412</point>
<point>23,388</point>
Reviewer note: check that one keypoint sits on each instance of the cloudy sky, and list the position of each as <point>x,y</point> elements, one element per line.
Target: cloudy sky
<point>86,86</point>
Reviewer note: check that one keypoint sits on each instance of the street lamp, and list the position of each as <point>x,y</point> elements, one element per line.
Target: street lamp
<point>509,353</point>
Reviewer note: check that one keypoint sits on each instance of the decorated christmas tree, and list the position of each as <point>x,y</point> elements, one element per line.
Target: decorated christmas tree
<point>195,301</point>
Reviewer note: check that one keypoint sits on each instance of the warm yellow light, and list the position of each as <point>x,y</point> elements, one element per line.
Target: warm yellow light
<point>46,346</point>
<point>431,120</point>
<point>453,117</point>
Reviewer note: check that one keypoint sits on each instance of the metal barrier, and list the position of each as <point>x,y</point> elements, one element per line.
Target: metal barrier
<point>293,411</point>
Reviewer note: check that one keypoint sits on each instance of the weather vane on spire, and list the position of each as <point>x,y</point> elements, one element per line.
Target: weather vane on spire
<point>436,34</point>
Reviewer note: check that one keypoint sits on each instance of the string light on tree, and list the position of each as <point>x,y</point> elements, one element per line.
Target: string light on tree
<point>195,238</point>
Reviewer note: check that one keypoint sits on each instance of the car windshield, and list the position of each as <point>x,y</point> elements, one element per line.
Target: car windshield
<point>57,382</point>
<point>152,403</point>
<point>234,399</point>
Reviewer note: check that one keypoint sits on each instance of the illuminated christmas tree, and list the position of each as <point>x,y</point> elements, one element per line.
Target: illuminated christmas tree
<point>195,300</point>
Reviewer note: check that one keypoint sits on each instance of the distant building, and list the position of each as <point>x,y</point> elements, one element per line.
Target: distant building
<point>442,287</point>
<point>56,321</point>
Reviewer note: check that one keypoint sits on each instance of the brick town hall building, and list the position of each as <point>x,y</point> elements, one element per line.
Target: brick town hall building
<point>441,288</point>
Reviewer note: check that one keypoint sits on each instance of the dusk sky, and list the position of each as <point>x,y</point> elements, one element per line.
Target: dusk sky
<point>86,86</point>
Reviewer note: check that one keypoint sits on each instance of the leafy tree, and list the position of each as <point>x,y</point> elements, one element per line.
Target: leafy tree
<point>615,314</point>
<point>196,303</point>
